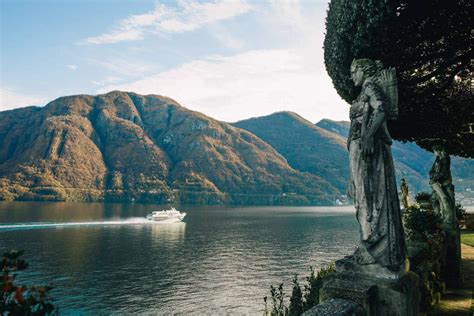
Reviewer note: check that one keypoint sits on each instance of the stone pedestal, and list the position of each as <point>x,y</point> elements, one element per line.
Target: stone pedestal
<point>336,306</point>
<point>451,267</point>
<point>377,296</point>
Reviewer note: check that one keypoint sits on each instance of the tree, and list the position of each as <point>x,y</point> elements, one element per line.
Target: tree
<point>278,300</point>
<point>428,41</point>
<point>296,299</point>
<point>315,282</point>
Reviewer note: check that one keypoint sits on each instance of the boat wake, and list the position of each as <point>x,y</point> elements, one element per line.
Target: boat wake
<point>122,222</point>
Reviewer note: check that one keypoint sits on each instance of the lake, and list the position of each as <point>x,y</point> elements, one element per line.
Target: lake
<point>106,258</point>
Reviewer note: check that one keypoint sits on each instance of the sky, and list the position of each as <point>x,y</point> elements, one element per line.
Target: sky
<point>229,59</point>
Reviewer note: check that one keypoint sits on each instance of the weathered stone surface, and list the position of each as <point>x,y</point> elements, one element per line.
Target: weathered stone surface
<point>445,204</point>
<point>373,185</point>
<point>350,287</point>
<point>336,307</point>
<point>348,265</point>
<point>427,267</point>
<point>443,188</point>
<point>451,265</point>
<point>376,296</point>
<point>399,298</point>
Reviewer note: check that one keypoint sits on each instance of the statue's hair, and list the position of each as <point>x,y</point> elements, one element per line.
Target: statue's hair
<point>368,66</point>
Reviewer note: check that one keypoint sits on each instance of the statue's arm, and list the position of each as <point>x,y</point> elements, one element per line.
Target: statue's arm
<point>435,171</point>
<point>377,109</point>
<point>440,171</point>
<point>376,119</point>
<point>444,169</point>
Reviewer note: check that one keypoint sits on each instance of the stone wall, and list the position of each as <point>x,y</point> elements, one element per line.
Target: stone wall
<point>425,283</point>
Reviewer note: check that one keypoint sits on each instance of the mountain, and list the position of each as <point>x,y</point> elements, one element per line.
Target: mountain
<point>306,146</point>
<point>339,127</point>
<point>321,149</point>
<point>413,163</point>
<point>123,146</point>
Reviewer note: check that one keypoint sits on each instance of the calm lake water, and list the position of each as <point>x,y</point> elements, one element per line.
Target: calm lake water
<point>105,258</point>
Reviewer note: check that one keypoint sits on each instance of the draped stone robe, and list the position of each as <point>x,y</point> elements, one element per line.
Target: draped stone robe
<point>373,185</point>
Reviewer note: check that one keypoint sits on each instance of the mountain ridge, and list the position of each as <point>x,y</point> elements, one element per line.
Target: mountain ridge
<point>123,146</point>
<point>301,142</point>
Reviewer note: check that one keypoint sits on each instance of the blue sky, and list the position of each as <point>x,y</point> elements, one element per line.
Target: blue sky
<point>230,59</point>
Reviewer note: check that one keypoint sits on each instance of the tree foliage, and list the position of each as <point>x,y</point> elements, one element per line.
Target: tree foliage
<point>296,299</point>
<point>428,41</point>
<point>300,301</point>
<point>278,300</point>
<point>21,300</point>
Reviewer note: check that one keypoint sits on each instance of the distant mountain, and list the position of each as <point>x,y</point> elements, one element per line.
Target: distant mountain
<point>305,146</point>
<point>124,146</point>
<point>339,127</point>
<point>413,163</point>
<point>321,150</point>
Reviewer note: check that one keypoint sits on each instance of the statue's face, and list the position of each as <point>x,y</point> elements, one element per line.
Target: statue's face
<point>439,152</point>
<point>357,76</point>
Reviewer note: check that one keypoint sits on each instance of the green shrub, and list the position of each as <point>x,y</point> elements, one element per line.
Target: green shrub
<point>423,225</point>
<point>315,282</point>
<point>299,301</point>
<point>278,296</point>
<point>422,196</point>
<point>296,299</point>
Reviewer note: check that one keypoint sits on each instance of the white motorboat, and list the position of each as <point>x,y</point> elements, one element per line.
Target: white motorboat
<point>167,216</point>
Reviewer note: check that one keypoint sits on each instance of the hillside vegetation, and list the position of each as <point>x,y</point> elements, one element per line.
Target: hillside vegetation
<point>124,146</point>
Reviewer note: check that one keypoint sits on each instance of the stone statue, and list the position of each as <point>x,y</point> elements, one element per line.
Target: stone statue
<point>442,184</point>
<point>404,193</point>
<point>373,186</point>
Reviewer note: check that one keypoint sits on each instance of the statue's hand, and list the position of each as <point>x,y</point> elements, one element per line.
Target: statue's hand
<point>367,146</point>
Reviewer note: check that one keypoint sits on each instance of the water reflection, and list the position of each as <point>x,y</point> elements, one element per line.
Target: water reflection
<point>109,260</point>
<point>170,233</point>
<point>19,212</point>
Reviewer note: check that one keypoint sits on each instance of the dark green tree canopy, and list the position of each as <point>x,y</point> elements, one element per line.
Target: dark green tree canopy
<point>428,41</point>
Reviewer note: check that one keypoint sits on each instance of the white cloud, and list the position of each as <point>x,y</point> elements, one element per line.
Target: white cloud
<point>10,99</point>
<point>226,38</point>
<point>107,81</point>
<point>116,36</point>
<point>124,66</point>
<point>258,82</point>
<point>72,67</point>
<point>254,83</point>
<point>190,15</point>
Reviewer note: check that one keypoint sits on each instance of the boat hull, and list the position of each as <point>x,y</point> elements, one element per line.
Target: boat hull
<point>166,219</point>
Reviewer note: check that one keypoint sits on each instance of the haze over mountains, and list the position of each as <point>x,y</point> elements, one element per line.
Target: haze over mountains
<point>128,147</point>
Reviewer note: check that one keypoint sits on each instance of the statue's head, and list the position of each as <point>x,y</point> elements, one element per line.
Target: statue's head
<point>364,68</point>
<point>403,180</point>
<point>439,150</point>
